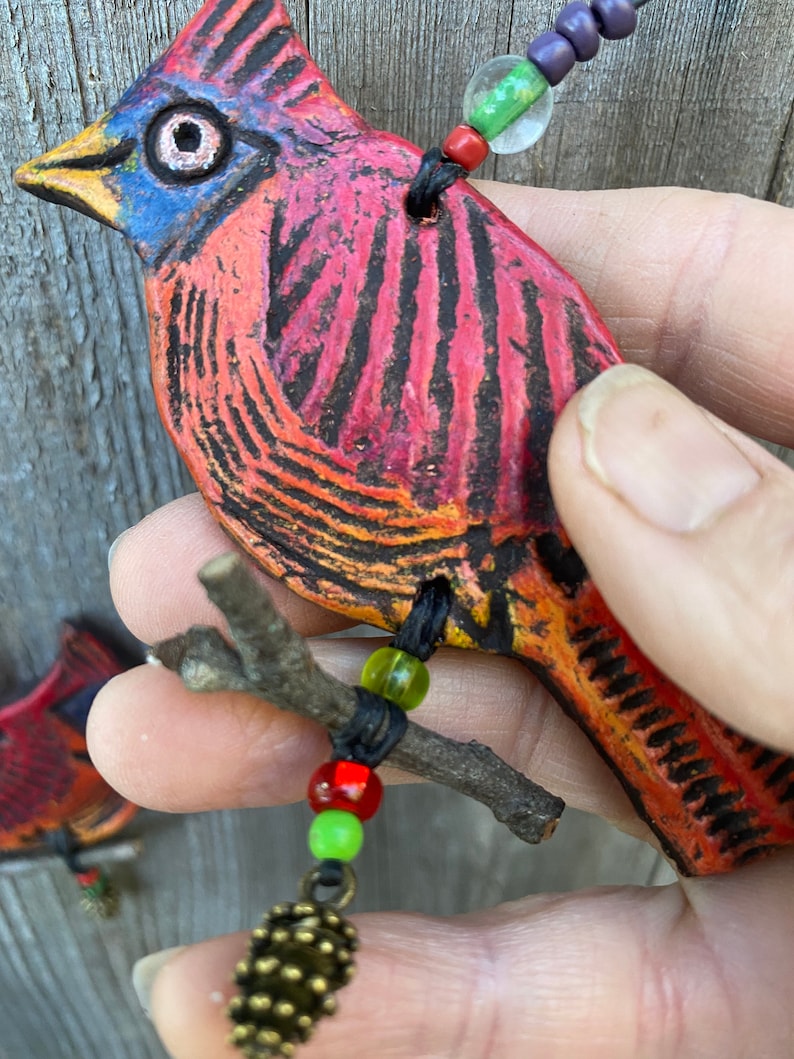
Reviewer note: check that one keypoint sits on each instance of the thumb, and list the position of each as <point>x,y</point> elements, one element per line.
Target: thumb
<point>687,528</point>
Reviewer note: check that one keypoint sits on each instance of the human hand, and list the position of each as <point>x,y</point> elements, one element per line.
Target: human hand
<point>696,287</point>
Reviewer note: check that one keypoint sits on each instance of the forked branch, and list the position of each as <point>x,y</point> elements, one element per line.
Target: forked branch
<point>268,659</point>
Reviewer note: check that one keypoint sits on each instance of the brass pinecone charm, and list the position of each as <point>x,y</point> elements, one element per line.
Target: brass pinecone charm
<point>297,958</point>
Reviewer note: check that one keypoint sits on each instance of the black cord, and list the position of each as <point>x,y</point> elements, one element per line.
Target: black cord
<point>436,174</point>
<point>374,714</point>
<point>64,843</point>
<point>423,627</point>
<point>330,873</point>
<point>378,724</point>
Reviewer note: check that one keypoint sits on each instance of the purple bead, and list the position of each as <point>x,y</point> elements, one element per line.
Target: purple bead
<point>616,18</point>
<point>577,23</point>
<point>553,55</point>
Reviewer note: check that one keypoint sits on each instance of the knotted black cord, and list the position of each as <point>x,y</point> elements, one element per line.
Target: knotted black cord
<point>422,629</point>
<point>436,174</point>
<point>354,742</point>
<point>378,724</point>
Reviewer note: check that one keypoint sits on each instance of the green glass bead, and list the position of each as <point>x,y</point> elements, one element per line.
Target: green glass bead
<point>397,676</point>
<point>500,93</point>
<point>336,835</point>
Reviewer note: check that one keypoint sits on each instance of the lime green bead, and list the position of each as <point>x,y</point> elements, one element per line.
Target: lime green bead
<point>514,94</point>
<point>336,835</point>
<point>397,676</point>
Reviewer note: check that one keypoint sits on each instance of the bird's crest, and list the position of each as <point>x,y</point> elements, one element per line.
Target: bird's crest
<point>249,46</point>
<point>235,41</point>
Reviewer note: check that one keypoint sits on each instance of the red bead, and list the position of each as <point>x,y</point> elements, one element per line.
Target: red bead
<point>345,785</point>
<point>465,146</point>
<point>89,877</point>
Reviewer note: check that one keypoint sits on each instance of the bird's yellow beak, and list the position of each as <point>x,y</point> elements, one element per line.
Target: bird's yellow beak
<point>77,173</point>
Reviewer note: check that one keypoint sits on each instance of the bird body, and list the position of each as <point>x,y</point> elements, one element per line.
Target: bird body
<point>47,781</point>
<point>365,399</point>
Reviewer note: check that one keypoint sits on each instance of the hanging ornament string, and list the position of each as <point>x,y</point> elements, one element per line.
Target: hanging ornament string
<point>302,952</point>
<point>507,104</point>
<point>98,895</point>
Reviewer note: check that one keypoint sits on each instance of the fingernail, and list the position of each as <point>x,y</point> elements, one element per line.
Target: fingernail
<point>114,546</point>
<point>147,969</point>
<point>658,451</point>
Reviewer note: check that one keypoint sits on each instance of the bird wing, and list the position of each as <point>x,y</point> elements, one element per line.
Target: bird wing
<point>377,392</point>
<point>36,774</point>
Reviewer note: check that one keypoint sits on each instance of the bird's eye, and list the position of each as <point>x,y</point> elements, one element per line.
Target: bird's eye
<point>187,143</point>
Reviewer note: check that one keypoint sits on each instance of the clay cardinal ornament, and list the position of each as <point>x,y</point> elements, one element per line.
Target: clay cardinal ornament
<point>50,792</point>
<point>365,400</point>
<point>47,781</point>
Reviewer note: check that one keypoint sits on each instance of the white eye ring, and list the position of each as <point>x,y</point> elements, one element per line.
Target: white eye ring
<point>185,143</point>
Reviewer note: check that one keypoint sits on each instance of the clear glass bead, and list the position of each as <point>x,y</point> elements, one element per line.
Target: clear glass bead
<point>509,102</point>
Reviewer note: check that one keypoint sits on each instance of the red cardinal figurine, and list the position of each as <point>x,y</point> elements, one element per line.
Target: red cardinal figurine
<point>50,793</point>
<point>365,399</point>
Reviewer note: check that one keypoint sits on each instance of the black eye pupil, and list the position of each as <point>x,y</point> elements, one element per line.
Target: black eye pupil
<point>187,137</point>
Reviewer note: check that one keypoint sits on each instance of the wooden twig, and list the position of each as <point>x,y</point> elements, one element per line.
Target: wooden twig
<point>267,658</point>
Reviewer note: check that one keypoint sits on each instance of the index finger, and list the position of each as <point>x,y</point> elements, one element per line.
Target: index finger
<point>153,568</point>
<point>694,285</point>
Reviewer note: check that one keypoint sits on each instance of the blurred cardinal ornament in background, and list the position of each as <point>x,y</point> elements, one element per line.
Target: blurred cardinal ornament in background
<point>365,398</point>
<point>50,793</point>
